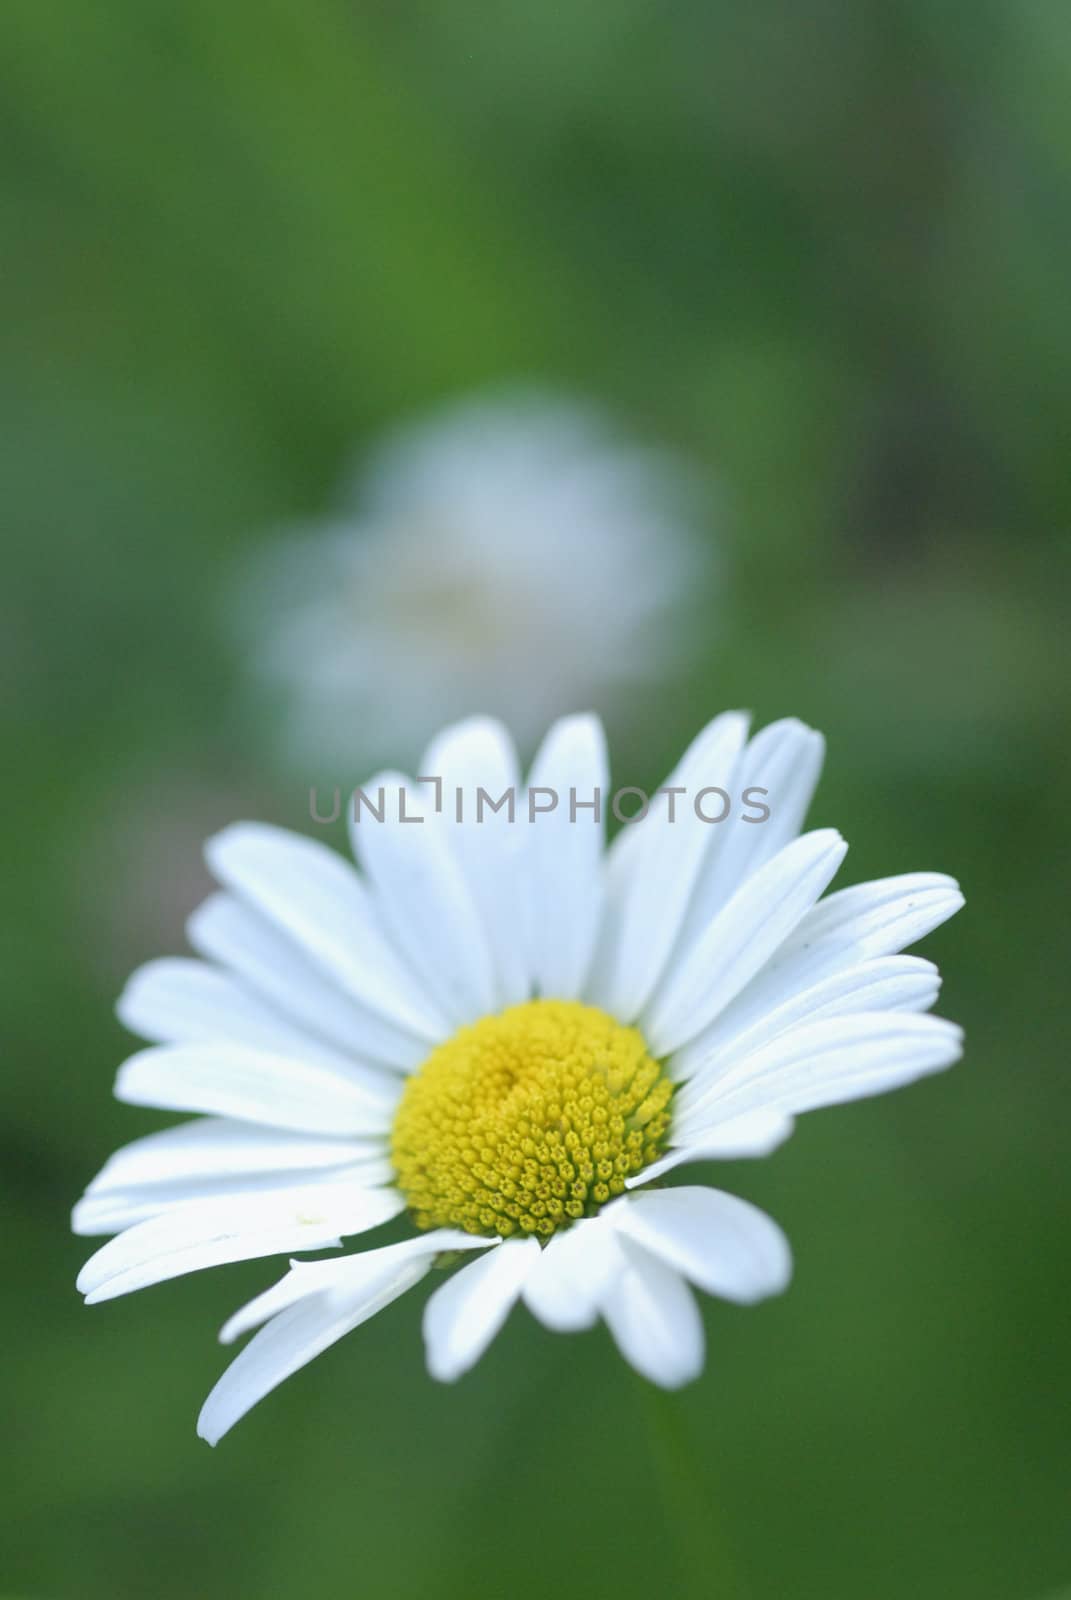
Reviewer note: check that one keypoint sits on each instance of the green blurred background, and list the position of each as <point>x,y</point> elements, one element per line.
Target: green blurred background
<point>823,249</point>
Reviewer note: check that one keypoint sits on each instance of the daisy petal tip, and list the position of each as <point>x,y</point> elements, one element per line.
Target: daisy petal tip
<point>956,1041</point>
<point>203,917</point>
<point>218,845</point>
<point>126,1085</point>
<point>950,1033</point>
<point>777,1272</point>
<point>479,724</point>
<point>206,1428</point>
<point>127,995</point>
<point>673,1382</point>
<point>221,1410</point>
<point>230,1330</point>
<point>787,725</point>
<point>590,724</point>
<point>87,1280</point>
<point>221,849</point>
<point>81,1223</point>
<point>949,895</point>
<point>580,731</point>
<point>670,1378</point>
<point>445,1364</point>
<point>443,1371</point>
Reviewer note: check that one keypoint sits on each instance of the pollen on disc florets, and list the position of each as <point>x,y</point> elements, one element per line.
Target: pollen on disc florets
<point>526,1120</point>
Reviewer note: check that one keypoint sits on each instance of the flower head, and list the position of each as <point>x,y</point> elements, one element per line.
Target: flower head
<point>510,1034</point>
<point>513,552</point>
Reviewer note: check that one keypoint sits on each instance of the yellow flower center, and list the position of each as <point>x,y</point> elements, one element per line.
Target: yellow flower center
<point>529,1119</point>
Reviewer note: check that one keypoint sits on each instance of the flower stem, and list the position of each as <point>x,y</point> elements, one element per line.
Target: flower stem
<point>691,1509</point>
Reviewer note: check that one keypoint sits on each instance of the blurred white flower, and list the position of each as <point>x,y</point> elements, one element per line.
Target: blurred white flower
<point>512,553</point>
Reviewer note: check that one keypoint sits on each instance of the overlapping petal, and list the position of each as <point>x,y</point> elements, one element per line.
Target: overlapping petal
<point>563,871</point>
<point>323,905</point>
<point>207,1233</point>
<point>316,1308</point>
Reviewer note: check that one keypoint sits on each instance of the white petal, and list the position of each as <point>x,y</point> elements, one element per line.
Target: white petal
<point>654,1320</point>
<point>756,1133</point>
<point>835,940</point>
<point>741,939</point>
<point>221,1147</point>
<point>115,1209</point>
<point>347,1275</point>
<point>649,905</point>
<point>869,919</point>
<point>228,931</point>
<point>178,1001</point>
<point>217,1156</point>
<point>487,844</point>
<point>574,1269</point>
<point>785,761</point>
<point>718,1242</point>
<point>463,1316</point>
<point>564,889</point>
<point>423,900</point>
<point>362,1286</point>
<point>289,1342</point>
<point>827,1063</point>
<point>891,983</point>
<point>207,1233</point>
<point>321,903</point>
<point>232,1082</point>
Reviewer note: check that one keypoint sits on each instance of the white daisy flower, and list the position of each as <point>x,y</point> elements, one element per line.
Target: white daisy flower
<point>512,552</point>
<point>508,1034</point>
